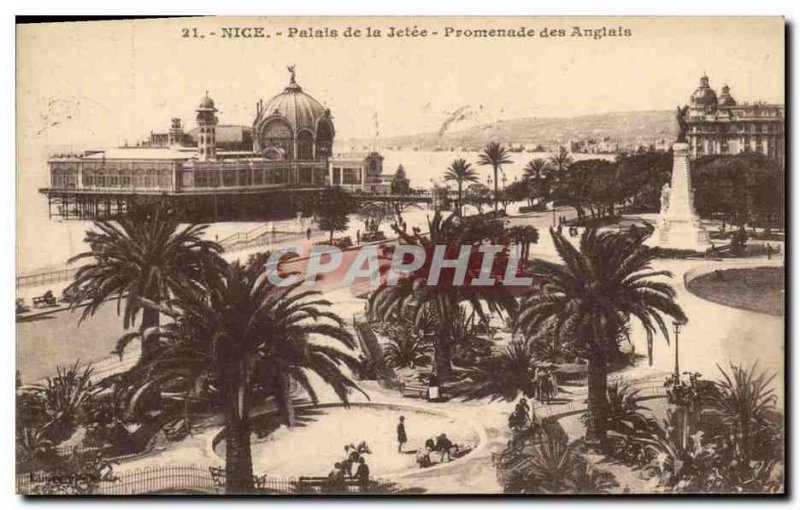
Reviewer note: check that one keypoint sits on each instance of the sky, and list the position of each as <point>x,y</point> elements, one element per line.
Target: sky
<point>107,82</point>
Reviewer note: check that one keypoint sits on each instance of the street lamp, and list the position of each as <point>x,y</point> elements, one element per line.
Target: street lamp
<point>677,328</point>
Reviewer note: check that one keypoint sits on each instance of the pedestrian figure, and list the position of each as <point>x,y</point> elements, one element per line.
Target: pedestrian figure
<point>347,462</point>
<point>443,446</point>
<point>769,252</point>
<point>401,434</point>
<point>308,233</point>
<point>336,480</point>
<point>362,474</point>
<point>358,237</point>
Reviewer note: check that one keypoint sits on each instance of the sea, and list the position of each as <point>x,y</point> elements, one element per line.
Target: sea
<point>45,244</point>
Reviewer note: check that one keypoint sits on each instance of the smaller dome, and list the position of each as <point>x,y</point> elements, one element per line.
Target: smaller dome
<point>704,96</point>
<point>725,99</point>
<point>206,103</point>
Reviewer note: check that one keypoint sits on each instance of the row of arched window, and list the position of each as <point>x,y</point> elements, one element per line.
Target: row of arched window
<point>150,178</point>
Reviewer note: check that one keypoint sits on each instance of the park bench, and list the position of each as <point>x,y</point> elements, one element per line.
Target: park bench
<point>419,390</point>
<point>44,300</point>
<point>322,484</point>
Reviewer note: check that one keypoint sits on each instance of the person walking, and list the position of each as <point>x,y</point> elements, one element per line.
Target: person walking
<point>401,434</point>
<point>358,237</point>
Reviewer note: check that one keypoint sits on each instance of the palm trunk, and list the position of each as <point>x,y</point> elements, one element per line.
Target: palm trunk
<point>459,200</point>
<point>284,400</point>
<point>443,353</point>
<point>238,457</point>
<point>596,425</point>
<point>150,319</point>
<point>495,190</point>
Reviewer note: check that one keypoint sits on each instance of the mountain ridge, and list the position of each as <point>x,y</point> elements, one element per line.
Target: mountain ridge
<point>628,128</point>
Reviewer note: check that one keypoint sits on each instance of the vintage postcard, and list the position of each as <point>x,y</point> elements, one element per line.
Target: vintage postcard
<point>468,256</point>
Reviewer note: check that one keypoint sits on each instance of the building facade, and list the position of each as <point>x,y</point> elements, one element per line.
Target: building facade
<point>288,145</point>
<point>721,125</point>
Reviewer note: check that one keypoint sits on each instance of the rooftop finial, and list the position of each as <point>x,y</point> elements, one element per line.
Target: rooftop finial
<point>291,74</point>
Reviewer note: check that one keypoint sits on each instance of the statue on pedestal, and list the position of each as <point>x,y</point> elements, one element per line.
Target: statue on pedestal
<point>665,197</point>
<point>683,126</point>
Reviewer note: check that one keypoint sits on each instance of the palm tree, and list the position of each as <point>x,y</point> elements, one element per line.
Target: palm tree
<point>535,169</point>
<point>146,254</point>
<point>550,467</point>
<point>594,295</point>
<point>561,160</point>
<point>503,376</point>
<point>63,397</point>
<point>241,334</point>
<point>460,171</point>
<point>407,351</point>
<point>746,402</point>
<point>495,155</point>
<point>414,297</point>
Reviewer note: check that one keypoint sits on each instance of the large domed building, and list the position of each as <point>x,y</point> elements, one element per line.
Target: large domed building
<point>293,125</point>
<point>721,125</point>
<point>704,96</point>
<point>220,171</point>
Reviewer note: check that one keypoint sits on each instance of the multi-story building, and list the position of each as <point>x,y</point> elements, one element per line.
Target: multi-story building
<point>218,171</point>
<point>721,125</point>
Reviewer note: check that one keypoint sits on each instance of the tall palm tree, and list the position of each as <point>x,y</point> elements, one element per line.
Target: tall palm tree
<point>561,160</point>
<point>414,297</point>
<point>495,155</point>
<point>240,334</point>
<point>597,291</point>
<point>460,171</point>
<point>146,254</point>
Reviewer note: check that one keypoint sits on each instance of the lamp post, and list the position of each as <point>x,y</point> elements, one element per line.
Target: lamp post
<point>677,326</point>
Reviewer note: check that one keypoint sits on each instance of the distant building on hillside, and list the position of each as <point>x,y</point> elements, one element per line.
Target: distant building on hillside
<point>721,125</point>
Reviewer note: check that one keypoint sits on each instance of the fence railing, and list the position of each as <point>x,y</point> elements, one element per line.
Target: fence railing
<point>47,277</point>
<point>176,479</point>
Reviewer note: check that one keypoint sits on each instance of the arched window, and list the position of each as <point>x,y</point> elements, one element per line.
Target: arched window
<point>150,179</point>
<point>277,141</point>
<point>164,178</point>
<point>112,179</point>
<point>72,178</point>
<point>305,145</point>
<point>125,178</point>
<point>324,139</point>
<point>88,178</point>
<point>138,177</point>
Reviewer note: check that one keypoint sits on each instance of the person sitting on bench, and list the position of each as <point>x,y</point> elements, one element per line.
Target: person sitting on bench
<point>443,446</point>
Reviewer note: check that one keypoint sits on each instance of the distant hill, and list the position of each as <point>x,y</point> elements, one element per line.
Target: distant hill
<point>630,129</point>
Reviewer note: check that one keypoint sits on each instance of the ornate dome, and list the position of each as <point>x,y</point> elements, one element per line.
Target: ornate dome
<point>726,99</point>
<point>206,103</point>
<point>295,106</point>
<point>293,125</point>
<point>704,96</point>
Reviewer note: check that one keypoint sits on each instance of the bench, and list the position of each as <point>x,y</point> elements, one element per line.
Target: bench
<point>44,300</point>
<point>419,390</point>
<point>322,484</point>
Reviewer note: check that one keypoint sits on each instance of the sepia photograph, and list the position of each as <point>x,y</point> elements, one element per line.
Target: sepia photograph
<point>401,256</point>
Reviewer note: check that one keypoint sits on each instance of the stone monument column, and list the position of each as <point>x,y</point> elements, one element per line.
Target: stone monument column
<point>679,225</point>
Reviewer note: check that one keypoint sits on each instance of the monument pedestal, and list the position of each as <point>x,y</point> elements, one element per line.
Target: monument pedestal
<point>679,225</point>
